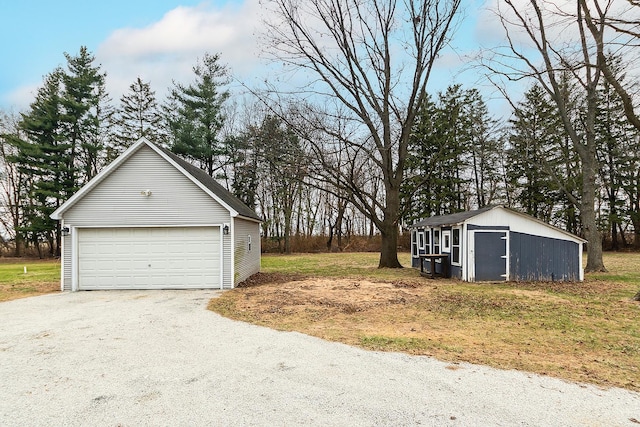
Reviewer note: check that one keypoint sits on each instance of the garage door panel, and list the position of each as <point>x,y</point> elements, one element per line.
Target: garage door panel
<point>149,258</point>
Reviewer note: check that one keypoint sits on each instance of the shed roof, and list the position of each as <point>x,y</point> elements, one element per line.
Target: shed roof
<point>197,175</point>
<point>462,217</point>
<point>451,219</point>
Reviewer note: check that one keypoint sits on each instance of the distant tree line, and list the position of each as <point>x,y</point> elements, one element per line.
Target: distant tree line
<point>373,162</point>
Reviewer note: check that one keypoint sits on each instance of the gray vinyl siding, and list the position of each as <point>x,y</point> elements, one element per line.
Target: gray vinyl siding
<point>543,258</point>
<point>247,261</point>
<point>174,199</point>
<point>66,261</point>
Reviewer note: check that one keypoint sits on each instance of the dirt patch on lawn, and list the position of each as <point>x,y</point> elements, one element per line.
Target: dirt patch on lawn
<point>11,291</point>
<point>545,328</point>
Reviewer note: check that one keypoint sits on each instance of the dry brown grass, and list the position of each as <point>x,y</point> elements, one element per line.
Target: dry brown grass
<point>579,331</point>
<point>10,292</point>
<point>42,277</point>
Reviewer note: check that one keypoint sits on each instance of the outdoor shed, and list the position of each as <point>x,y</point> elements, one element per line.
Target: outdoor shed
<point>496,244</point>
<point>150,220</point>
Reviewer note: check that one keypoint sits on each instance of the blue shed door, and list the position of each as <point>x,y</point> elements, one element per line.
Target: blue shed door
<point>490,256</point>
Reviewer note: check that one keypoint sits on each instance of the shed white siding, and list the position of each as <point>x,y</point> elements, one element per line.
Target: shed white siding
<point>174,198</point>
<point>520,224</point>
<point>247,249</point>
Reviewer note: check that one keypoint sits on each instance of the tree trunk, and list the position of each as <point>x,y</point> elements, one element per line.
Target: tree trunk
<point>389,230</point>
<point>389,248</point>
<point>588,216</point>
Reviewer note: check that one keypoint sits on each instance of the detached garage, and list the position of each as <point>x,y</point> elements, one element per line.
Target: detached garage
<point>496,244</point>
<point>150,220</point>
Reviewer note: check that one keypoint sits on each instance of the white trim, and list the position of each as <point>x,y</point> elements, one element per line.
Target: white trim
<point>221,257</point>
<point>75,254</point>
<point>421,240</point>
<point>581,267</point>
<point>459,262</point>
<point>433,241</point>
<point>443,235</point>
<point>464,252</point>
<point>471,258</point>
<point>152,225</point>
<point>74,259</point>
<point>232,234</point>
<point>472,264</point>
<point>62,257</point>
<point>507,234</point>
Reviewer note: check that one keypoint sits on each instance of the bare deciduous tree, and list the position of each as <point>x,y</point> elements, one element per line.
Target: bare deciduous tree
<point>625,24</point>
<point>370,63</point>
<point>550,55</point>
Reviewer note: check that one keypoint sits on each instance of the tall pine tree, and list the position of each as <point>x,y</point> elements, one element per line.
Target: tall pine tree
<point>195,116</point>
<point>61,143</point>
<point>137,117</point>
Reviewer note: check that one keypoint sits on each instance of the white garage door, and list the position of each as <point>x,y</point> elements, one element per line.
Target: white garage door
<point>149,258</point>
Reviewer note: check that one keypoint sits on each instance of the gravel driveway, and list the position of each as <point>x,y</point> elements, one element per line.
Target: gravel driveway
<point>137,358</point>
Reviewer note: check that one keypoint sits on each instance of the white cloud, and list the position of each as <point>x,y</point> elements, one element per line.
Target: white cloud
<point>168,49</point>
<point>22,96</point>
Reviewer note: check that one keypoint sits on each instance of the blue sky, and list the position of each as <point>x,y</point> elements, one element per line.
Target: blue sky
<point>158,40</point>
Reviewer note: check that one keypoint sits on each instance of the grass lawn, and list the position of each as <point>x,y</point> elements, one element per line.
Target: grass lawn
<point>41,277</point>
<point>578,331</point>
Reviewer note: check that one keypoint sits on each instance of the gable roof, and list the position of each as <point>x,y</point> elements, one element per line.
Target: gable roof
<point>199,177</point>
<point>210,183</point>
<point>451,219</point>
<point>462,217</point>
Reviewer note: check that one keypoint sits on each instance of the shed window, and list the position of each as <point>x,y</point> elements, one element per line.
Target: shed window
<point>455,246</point>
<point>249,242</point>
<point>446,241</point>
<point>421,240</point>
<point>436,241</point>
<point>414,243</point>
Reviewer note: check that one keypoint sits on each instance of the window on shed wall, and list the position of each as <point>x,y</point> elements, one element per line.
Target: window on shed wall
<point>427,240</point>
<point>436,241</point>
<point>446,241</point>
<point>414,243</point>
<point>249,243</point>
<point>421,240</point>
<point>455,246</point>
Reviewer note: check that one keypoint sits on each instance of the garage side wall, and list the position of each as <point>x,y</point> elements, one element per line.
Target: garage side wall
<point>66,263</point>
<point>247,249</point>
<point>542,258</point>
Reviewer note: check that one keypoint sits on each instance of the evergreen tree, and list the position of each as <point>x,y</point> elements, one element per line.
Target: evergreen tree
<point>534,128</point>
<point>486,149</point>
<point>617,155</point>
<point>42,154</point>
<point>243,155</point>
<point>60,144</point>
<point>86,113</point>
<point>437,181</point>
<point>137,117</point>
<point>195,114</point>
